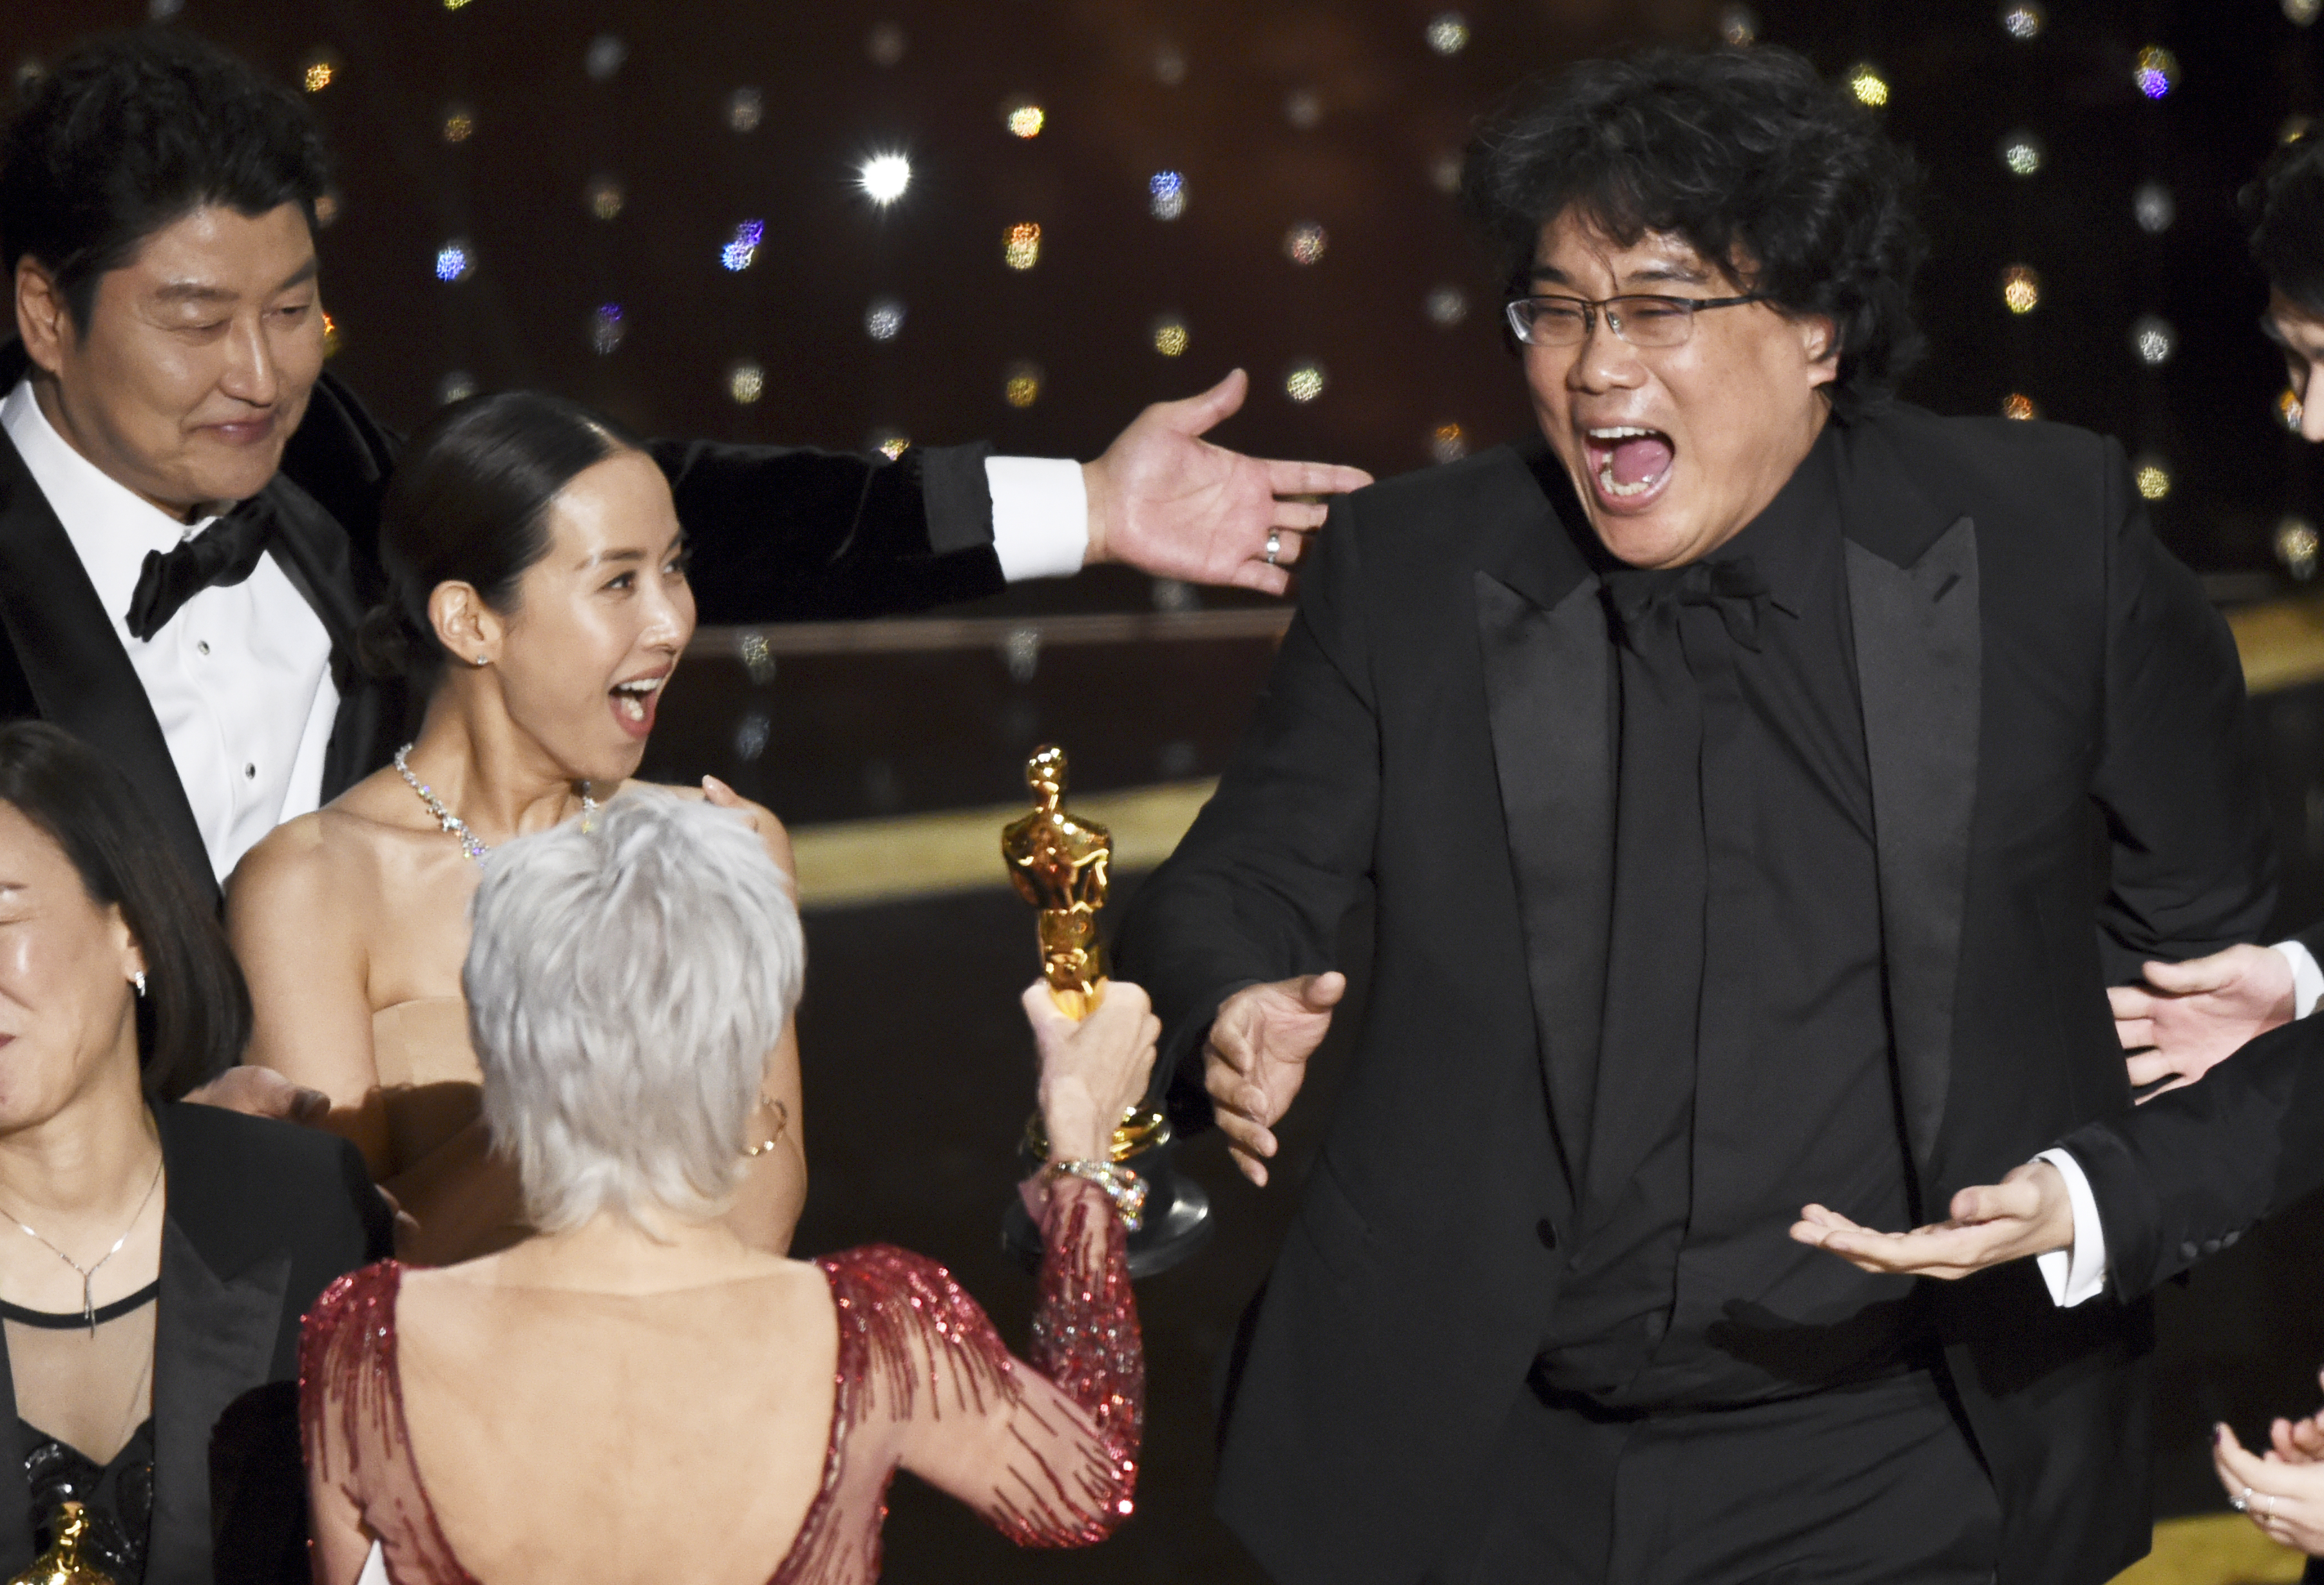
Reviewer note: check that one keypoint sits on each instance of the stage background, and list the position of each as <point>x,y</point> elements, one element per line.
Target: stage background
<point>659,208</point>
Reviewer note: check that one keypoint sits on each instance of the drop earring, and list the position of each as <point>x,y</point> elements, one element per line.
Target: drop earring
<point>138,980</point>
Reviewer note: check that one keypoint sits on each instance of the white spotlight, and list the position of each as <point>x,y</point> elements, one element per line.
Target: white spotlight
<point>885,177</point>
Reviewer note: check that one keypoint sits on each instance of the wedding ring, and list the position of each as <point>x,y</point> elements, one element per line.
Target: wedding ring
<point>1274,545</point>
<point>2271,1504</point>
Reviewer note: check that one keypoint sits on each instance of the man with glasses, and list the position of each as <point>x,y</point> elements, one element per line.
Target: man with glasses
<point>1718,768</point>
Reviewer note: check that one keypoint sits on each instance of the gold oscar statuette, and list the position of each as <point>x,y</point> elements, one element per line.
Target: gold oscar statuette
<point>62,1564</point>
<point>1058,862</point>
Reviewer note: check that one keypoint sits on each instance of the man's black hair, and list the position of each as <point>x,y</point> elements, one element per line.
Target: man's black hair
<point>132,133</point>
<point>2285,209</point>
<point>1744,154</point>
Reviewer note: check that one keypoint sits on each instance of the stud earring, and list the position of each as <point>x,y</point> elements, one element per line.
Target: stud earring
<point>138,980</point>
<point>479,660</point>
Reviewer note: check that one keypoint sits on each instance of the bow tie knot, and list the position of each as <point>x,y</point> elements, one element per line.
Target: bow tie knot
<point>1733,589</point>
<point>225,552</point>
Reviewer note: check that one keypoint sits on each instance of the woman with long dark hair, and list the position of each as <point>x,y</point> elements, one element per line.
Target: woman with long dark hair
<point>538,601</point>
<point>155,1258</point>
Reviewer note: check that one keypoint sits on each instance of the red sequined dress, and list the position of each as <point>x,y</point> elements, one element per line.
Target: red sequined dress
<point>1045,1449</point>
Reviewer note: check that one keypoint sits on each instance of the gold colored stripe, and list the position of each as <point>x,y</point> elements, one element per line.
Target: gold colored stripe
<point>905,634</point>
<point>2282,642</point>
<point>959,850</point>
<point>2213,1549</point>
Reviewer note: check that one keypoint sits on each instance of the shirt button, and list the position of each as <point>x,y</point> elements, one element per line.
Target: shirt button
<point>203,645</point>
<point>250,773</point>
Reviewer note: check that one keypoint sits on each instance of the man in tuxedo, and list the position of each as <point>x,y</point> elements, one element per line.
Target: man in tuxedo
<point>188,504</point>
<point>2186,1017</point>
<point>1721,769</point>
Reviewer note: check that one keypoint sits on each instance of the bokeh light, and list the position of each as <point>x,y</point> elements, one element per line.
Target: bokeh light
<point>606,328</point>
<point>746,108</point>
<point>884,319</point>
<point>2153,338</point>
<point>1448,32</point>
<point>456,386</point>
<point>1021,247</point>
<point>604,196</point>
<point>746,381</point>
<point>1170,336</point>
<point>1024,119</point>
<point>888,442</point>
<point>1021,386</point>
<point>1303,107</point>
<point>2289,410</point>
<point>327,207</point>
<point>2296,547</point>
<point>885,43</point>
<point>331,342</point>
<point>606,53</point>
<point>1444,172</point>
<point>1448,442</point>
<point>1304,243</point>
<point>2152,477</point>
<point>2157,72</point>
<point>1446,306</point>
<point>459,124</point>
<point>2021,288</point>
<point>454,4</point>
<point>1738,25</point>
<point>884,176</point>
<point>1303,381</point>
<point>2021,154</point>
<point>743,246</point>
<point>317,74</point>
<point>2154,208</point>
<point>1165,194</point>
<point>2023,20</point>
<point>456,260</point>
<point>1169,66</point>
<point>2293,127</point>
<point>1871,89</point>
<point>2020,406</point>
<point>2300,12</point>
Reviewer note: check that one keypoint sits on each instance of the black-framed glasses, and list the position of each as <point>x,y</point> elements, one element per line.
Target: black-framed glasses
<point>1640,319</point>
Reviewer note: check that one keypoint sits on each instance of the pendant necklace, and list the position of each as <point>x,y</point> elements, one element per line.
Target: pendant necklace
<point>453,824</point>
<point>89,1273</point>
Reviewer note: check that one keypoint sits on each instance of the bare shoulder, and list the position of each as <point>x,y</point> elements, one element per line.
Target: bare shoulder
<point>762,818</point>
<point>311,868</point>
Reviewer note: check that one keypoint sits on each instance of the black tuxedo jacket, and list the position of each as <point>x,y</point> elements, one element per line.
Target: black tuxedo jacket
<point>1438,728</point>
<point>777,535</point>
<point>263,1217</point>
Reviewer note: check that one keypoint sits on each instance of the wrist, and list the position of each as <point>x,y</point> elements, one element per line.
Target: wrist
<point>1094,478</point>
<point>1077,1129</point>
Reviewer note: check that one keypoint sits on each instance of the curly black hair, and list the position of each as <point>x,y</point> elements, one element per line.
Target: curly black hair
<point>1748,156</point>
<point>132,133</point>
<point>2284,207</point>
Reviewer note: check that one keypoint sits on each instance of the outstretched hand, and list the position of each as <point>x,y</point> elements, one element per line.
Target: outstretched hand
<point>2028,1213</point>
<point>2196,1013</point>
<point>1257,1058</point>
<point>2283,1496</point>
<point>1167,502</point>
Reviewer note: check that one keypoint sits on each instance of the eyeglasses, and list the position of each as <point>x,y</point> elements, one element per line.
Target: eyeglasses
<point>1642,321</point>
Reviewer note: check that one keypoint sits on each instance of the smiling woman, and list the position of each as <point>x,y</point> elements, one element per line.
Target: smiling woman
<point>538,592</point>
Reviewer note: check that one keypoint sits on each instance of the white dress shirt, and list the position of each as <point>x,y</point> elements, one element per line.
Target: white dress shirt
<point>1041,515</point>
<point>239,677</point>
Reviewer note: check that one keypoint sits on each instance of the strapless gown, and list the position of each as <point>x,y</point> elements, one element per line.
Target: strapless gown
<point>441,1169</point>
<point>1045,1450</point>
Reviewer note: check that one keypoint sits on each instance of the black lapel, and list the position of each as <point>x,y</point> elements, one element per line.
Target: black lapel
<point>1548,695</point>
<point>16,1491</point>
<point>77,672</point>
<point>214,1340</point>
<point>1919,664</point>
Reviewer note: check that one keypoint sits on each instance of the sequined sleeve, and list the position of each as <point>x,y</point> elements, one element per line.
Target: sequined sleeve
<point>1046,1449</point>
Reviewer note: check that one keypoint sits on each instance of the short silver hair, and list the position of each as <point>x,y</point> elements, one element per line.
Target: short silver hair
<point>625,986</point>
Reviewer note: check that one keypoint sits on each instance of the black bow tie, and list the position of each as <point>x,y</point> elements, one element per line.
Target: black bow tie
<point>1734,588</point>
<point>225,552</point>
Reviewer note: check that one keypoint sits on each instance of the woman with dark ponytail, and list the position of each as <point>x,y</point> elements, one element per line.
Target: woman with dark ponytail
<point>538,600</point>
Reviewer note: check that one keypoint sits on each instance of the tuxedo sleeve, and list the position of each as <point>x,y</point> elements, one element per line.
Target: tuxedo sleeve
<point>792,534</point>
<point>2187,1174</point>
<point>2192,848</point>
<point>1257,890</point>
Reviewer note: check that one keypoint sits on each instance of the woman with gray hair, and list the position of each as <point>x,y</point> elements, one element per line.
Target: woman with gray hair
<point>633,1392</point>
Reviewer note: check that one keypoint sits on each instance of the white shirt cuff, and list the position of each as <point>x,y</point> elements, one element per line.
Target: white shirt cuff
<point>2078,1273</point>
<point>1041,515</point>
<point>2307,979</point>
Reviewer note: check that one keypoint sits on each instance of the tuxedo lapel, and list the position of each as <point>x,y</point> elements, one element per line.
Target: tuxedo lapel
<point>315,552</point>
<point>73,662</point>
<point>1919,663</point>
<point>1548,683</point>
<point>214,1340</point>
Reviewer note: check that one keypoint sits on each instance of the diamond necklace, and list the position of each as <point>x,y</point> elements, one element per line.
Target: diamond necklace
<point>89,1273</point>
<point>453,823</point>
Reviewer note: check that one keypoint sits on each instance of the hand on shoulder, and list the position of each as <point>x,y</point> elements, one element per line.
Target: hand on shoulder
<point>760,818</point>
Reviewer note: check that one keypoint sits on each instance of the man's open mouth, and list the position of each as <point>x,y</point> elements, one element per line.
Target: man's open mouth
<point>1628,460</point>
